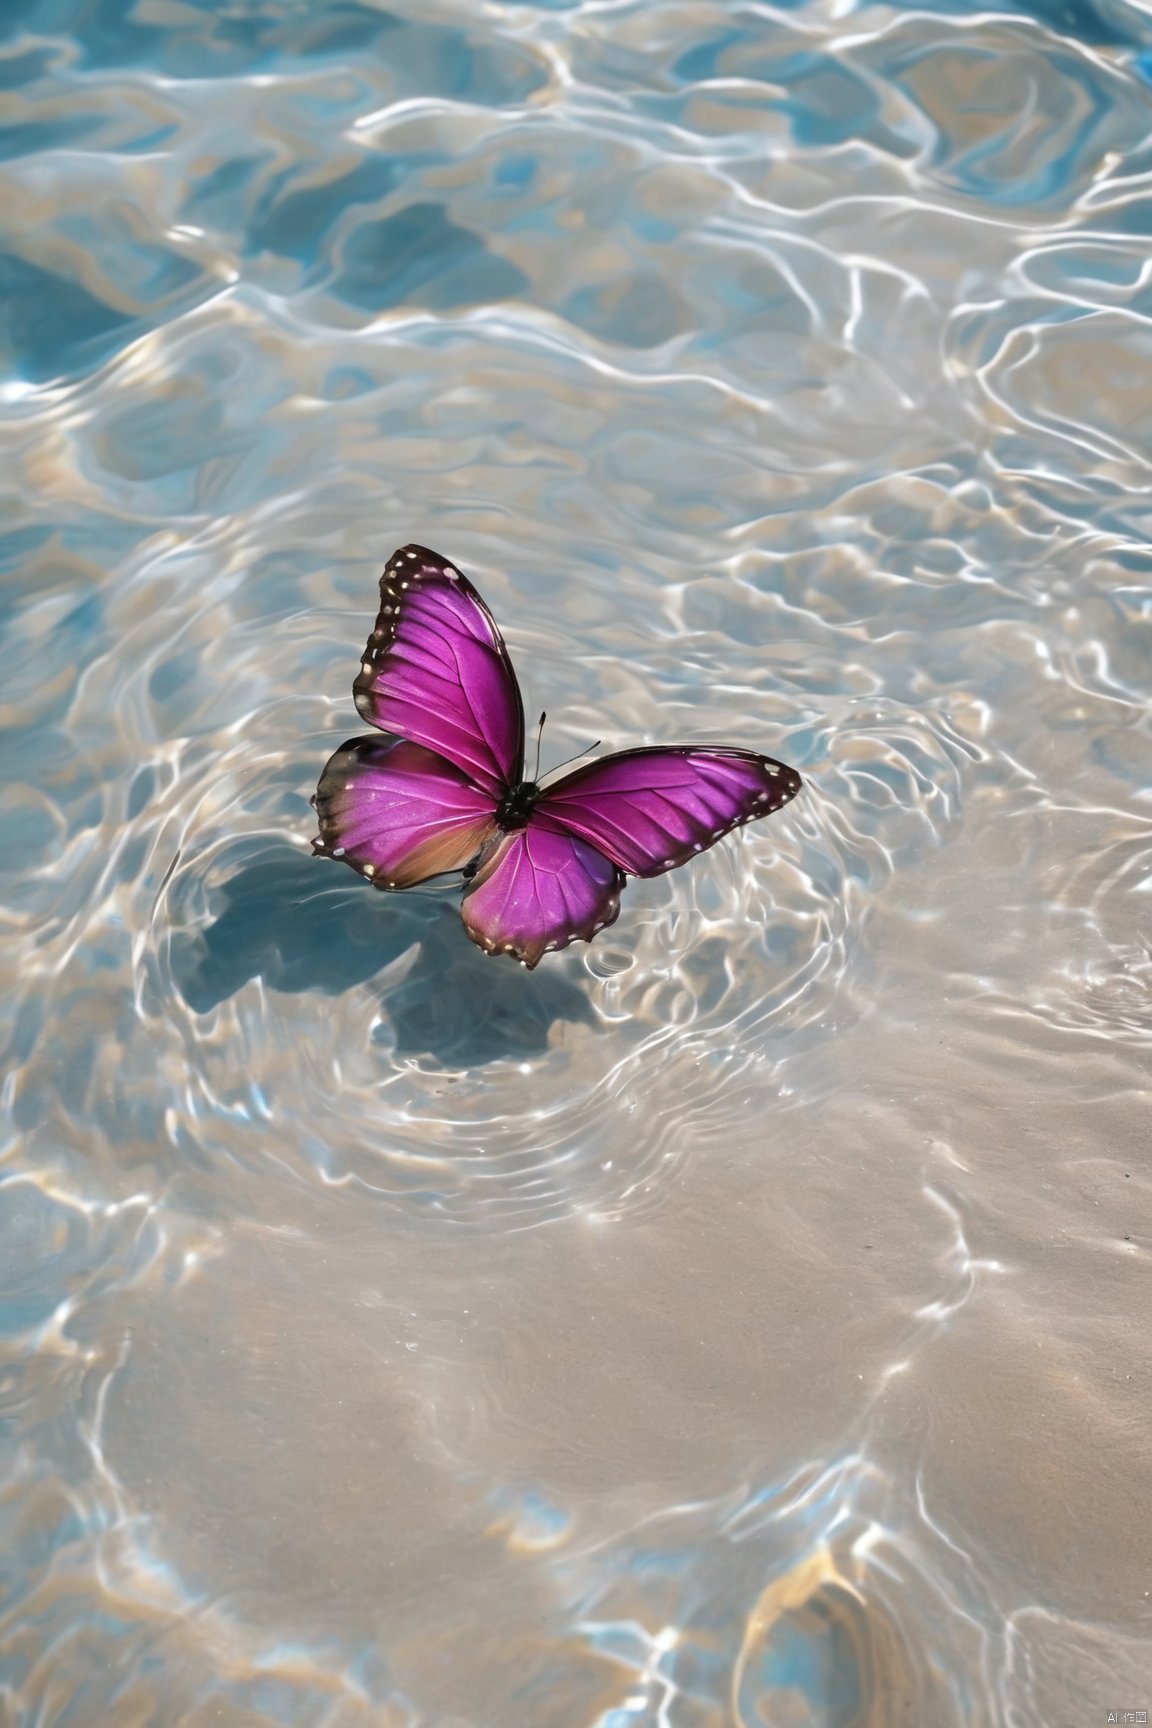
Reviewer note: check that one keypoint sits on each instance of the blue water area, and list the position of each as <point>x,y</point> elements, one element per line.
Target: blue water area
<point>738,1319</point>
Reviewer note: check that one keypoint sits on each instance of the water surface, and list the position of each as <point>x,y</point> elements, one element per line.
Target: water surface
<point>744,1320</point>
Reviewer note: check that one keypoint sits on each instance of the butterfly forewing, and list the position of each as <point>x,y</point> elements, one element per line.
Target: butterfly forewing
<point>398,813</point>
<point>539,890</point>
<point>653,808</point>
<point>436,671</point>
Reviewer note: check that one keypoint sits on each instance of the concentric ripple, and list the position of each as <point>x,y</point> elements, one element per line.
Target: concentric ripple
<point>736,1320</point>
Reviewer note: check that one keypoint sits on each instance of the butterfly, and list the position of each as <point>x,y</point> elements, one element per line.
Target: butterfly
<point>543,866</point>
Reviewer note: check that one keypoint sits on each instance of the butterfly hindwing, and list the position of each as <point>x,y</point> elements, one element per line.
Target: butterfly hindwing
<point>651,809</point>
<point>436,671</point>
<point>398,813</point>
<point>538,890</point>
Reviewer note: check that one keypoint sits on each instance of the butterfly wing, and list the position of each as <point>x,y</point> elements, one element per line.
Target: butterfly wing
<point>436,671</point>
<point>651,809</point>
<point>398,813</point>
<point>538,890</point>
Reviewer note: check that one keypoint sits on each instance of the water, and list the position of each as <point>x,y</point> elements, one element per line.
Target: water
<point>741,1321</point>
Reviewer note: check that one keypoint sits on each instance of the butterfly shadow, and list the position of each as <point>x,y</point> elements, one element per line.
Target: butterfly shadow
<point>299,926</point>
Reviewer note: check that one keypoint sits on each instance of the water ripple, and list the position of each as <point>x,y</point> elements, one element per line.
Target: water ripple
<point>669,1329</point>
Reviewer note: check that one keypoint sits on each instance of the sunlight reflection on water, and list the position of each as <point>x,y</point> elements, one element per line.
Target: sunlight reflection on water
<point>733,1322</point>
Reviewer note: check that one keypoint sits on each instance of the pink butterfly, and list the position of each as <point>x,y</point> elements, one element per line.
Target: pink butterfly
<point>543,866</point>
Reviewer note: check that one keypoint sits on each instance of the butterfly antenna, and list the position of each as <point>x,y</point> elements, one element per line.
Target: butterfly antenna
<point>593,746</point>
<point>539,737</point>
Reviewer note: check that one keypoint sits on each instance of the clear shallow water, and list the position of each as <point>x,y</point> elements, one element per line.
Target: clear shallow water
<point>743,1320</point>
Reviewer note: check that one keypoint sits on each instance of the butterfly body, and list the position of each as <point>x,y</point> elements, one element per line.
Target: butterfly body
<point>517,805</point>
<point>543,866</point>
